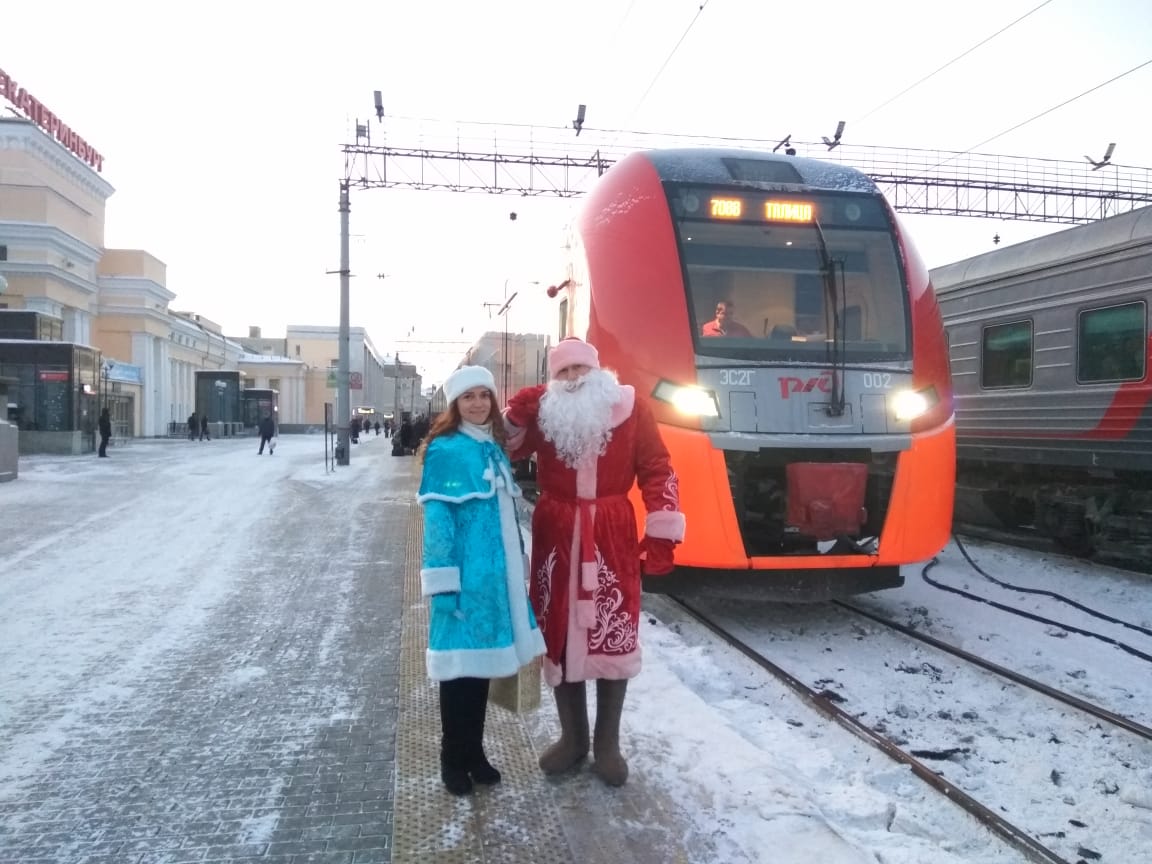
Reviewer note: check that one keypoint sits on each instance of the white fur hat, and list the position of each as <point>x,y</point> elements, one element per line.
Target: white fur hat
<point>465,378</point>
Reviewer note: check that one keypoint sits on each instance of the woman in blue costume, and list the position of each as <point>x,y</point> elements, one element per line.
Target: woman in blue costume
<point>480,624</point>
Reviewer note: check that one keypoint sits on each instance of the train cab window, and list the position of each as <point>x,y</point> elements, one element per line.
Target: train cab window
<point>788,280</point>
<point>1006,355</point>
<point>1111,344</point>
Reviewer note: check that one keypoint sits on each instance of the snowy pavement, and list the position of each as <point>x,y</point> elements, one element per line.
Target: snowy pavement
<point>197,658</point>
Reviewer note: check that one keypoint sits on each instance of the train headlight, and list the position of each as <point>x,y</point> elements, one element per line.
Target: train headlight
<point>909,404</point>
<point>694,401</point>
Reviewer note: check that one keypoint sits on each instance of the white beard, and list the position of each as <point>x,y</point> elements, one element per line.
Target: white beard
<point>576,416</point>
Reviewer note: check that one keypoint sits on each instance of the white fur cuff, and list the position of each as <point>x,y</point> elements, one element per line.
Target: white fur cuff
<point>665,524</point>
<point>439,580</point>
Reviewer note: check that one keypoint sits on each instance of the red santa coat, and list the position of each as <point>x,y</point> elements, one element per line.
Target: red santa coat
<point>585,571</point>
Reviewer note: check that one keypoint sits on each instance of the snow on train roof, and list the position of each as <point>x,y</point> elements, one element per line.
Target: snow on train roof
<point>722,166</point>
<point>1081,241</point>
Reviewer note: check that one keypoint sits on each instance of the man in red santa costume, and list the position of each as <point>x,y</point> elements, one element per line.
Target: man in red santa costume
<point>593,438</point>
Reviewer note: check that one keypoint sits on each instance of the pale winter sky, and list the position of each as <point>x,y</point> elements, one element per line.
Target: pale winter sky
<point>748,773</point>
<point>221,124</point>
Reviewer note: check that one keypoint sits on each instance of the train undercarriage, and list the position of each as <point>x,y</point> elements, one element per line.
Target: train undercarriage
<point>1087,514</point>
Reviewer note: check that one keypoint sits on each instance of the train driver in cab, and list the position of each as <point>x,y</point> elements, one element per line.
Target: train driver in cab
<point>725,324</point>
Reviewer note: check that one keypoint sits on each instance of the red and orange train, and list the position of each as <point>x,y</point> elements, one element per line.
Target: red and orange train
<point>785,330</point>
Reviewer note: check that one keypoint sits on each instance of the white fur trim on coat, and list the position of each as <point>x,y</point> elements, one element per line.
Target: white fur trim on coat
<point>665,524</point>
<point>439,580</point>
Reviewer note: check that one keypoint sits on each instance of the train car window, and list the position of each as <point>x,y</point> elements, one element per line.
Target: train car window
<point>1111,344</point>
<point>1006,355</point>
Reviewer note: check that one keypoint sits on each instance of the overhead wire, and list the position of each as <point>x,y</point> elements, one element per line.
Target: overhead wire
<point>667,60</point>
<point>955,59</point>
<point>656,77</point>
<point>1115,78</point>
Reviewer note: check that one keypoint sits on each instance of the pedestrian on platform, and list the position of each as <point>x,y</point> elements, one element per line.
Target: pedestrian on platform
<point>593,438</point>
<point>267,431</point>
<point>480,624</point>
<point>105,425</point>
<point>204,427</point>
<point>193,426</point>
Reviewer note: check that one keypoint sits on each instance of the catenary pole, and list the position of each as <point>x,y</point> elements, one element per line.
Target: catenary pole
<point>343,397</point>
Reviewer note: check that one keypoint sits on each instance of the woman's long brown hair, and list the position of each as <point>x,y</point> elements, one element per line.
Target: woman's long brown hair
<point>449,422</point>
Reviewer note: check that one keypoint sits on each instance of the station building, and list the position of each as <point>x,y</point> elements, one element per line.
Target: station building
<point>84,327</point>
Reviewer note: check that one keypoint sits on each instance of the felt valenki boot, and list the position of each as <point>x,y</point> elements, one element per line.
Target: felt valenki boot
<point>454,740</point>
<point>479,767</point>
<point>572,708</point>
<point>610,766</point>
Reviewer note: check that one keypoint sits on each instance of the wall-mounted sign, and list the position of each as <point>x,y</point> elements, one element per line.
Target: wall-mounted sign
<point>38,113</point>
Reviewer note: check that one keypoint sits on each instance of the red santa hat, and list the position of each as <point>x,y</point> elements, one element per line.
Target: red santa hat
<point>464,379</point>
<point>572,352</point>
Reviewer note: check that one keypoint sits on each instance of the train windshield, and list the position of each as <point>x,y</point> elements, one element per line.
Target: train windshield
<point>772,276</point>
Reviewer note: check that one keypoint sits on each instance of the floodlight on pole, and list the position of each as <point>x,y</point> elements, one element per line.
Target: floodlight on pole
<point>1107,160</point>
<point>378,100</point>
<point>578,123</point>
<point>834,142</point>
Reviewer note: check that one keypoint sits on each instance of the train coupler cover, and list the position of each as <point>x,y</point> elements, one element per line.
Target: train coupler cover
<point>826,499</point>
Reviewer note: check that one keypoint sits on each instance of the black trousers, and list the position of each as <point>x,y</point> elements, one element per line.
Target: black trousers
<point>103,444</point>
<point>463,709</point>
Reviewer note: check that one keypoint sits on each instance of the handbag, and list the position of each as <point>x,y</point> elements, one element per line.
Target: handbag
<point>519,693</point>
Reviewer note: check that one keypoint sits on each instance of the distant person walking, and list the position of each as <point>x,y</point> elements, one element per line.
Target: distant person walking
<point>204,427</point>
<point>193,426</point>
<point>105,433</point>
<point>267,432</point>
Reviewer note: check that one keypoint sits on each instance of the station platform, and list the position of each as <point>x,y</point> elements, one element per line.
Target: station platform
<point>219,658</point>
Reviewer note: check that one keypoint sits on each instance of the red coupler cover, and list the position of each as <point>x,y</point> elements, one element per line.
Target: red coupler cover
<point>826,499</point>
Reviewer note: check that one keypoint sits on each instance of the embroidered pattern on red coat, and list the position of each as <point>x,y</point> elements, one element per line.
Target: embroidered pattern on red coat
<point>671,492</point>
<point>544,588</point>
<point>614,631</point>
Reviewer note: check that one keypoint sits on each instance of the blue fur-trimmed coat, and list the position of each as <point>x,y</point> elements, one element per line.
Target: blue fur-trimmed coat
<point>480,623</point>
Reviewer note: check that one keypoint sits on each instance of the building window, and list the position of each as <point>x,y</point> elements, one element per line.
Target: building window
<point>1006,355</point>
<point>1111,344</point>
<point>273,383</point>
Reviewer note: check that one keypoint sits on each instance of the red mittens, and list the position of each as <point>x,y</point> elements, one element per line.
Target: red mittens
<point>525,405</point>
<point>658,554</point>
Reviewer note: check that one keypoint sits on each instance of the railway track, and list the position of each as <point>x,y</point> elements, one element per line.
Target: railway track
<point>826,703</point>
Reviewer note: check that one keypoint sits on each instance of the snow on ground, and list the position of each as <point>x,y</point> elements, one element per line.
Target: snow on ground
<point>114,563</point>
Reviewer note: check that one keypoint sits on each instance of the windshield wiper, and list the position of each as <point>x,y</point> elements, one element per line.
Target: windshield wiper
<point>832,294</point>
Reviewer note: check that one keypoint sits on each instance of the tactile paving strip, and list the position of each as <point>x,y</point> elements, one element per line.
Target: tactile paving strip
<point>512,822</point>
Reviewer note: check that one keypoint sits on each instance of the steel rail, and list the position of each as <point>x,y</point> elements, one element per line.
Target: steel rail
<point>999,826</point>
<point>1059,695</point>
